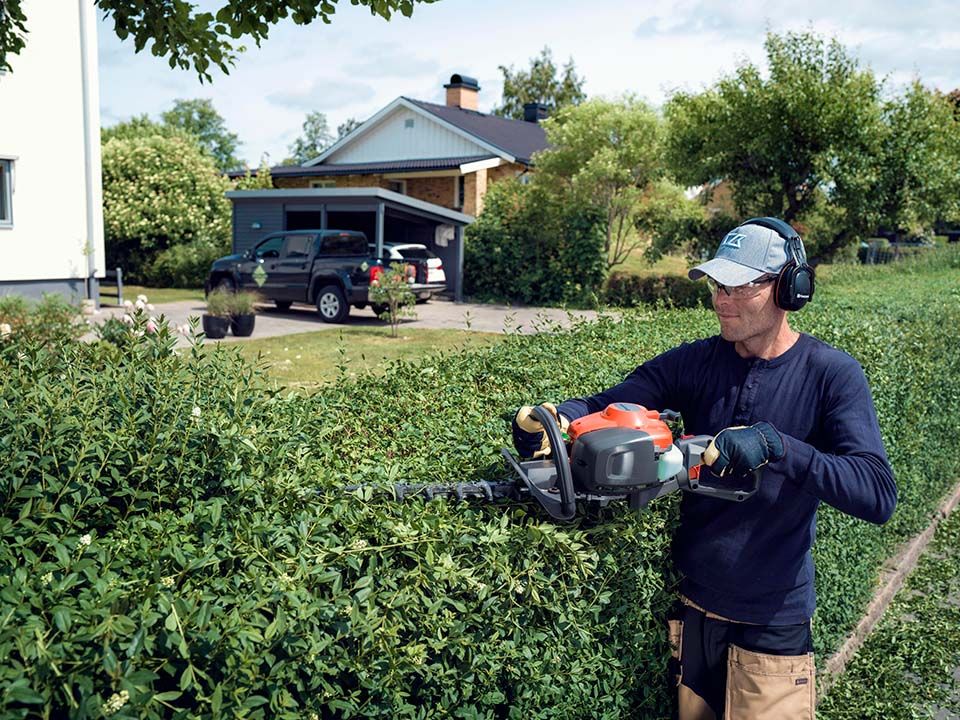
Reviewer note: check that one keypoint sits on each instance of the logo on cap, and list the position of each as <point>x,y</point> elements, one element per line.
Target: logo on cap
<point>732,240</point>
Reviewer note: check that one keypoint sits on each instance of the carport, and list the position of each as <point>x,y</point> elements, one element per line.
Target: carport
<point>383,215</point>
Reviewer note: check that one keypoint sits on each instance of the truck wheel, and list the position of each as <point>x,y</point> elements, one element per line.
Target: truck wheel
<point>379,308</point>
<point>332,305</point>
<point>283,304</point>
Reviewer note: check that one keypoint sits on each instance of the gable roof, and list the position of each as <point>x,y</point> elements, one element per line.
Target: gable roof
<point>519,138</point>
<point>512,140</point>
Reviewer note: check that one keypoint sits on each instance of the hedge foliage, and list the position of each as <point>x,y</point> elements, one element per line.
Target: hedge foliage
<point>535,245</point>
<point>626,290</point>
<point>178,542</point>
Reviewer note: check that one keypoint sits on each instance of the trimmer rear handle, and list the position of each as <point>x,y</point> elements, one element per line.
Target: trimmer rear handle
<point>693,448</point>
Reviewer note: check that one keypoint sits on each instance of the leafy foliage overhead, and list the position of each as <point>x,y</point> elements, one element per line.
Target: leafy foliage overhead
<point>542,83</point>
<point>188,38</point>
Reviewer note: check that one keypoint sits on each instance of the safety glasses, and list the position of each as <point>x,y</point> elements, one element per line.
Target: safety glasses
<point>741,292</point>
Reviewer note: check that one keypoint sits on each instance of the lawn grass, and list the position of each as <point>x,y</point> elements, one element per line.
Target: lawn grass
<point>310,360</point>
<point>636,264</point>
<point>154,295</point>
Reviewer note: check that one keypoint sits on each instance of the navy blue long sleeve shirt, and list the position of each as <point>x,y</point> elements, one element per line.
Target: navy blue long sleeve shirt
<point>751,561</point>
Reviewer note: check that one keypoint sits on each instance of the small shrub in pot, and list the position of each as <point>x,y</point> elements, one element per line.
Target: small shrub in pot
<point>243,306</point>
<point>216,320</point>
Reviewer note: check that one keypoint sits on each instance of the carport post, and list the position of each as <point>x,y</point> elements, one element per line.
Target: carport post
<point>458,243</point>
<point>379,239</point>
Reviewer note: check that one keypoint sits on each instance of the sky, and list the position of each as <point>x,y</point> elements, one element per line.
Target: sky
<point>359,63</point>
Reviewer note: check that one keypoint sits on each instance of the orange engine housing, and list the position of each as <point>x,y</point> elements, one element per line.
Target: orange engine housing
<point>625,415</point>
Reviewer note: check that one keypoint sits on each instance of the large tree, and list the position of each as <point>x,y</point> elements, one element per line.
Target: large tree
<point>542,83</point>
<point>607,153</point>
<point>199,118</point>
<point>315,138</point>
<point>347,127</point>
<point>802,138</point>
<point>190,38</point>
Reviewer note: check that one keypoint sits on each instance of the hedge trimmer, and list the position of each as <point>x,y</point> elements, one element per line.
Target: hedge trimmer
<point>624,452</point>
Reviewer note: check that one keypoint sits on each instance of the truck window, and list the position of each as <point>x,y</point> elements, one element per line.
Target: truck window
<point>269,248</point>
<point>296,247</point>
<point>344,244</point>
<point>415,253</point>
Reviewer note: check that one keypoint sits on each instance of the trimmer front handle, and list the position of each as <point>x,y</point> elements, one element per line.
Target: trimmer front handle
<point>693,448</point>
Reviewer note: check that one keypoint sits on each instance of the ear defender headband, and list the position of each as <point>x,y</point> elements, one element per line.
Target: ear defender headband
<point>795,282</point>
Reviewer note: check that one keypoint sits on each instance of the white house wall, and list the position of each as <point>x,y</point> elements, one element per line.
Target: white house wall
<point>393,140</point>
<point>42,129</point>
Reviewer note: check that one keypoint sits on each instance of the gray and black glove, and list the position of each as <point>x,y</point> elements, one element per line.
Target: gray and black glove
<point>741,450</point>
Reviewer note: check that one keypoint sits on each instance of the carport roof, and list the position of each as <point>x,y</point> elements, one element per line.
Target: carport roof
<point>388,197</point>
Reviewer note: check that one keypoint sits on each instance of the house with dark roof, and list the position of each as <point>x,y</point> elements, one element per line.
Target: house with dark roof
<point>447,155</point>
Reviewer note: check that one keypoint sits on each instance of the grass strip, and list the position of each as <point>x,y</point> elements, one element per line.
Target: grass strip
<point>909,667</point>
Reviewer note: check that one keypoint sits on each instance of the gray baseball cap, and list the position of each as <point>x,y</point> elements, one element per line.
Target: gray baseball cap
<point>747,253</point>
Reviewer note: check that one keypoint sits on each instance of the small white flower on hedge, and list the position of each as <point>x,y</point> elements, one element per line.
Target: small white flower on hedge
<point>359,544</point>
<point>128,304</point>
<point>85,540</point>
<point>47,578</point>
<point>5,329</point>
<point>116,701</point>
<point>141,298</point>
<point>167,581</point>
<point>140,305</point>
<point>128,319</point>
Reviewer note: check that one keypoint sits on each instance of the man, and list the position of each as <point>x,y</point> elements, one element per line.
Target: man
<point>775,399</point>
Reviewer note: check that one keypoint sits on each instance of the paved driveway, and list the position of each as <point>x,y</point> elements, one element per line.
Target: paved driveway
<point>437,313</point>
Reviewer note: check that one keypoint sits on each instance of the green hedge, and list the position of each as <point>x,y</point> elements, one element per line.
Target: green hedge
<point>179,545</point>
<point>626,290</point>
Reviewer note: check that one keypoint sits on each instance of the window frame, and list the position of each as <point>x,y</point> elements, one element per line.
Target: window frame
<point>322,184</point>
<point>7,187</point>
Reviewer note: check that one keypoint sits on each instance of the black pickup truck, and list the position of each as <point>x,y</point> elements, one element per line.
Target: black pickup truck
<point>331,269</point>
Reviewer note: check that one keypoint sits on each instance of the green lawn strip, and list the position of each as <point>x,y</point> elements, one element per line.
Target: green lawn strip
<point>154,295</point>
<point>636,264</point>
<point>909,666</point>
<point>309,360</point>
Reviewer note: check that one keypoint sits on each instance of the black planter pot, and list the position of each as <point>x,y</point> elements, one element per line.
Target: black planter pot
<point>242,325</point>
<point>215,327</point>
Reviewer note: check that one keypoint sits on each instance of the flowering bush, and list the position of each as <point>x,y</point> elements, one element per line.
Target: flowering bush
<point>390,293</point>
<point>138,322</point>
<point>52,321</point>
<point>160,192</point>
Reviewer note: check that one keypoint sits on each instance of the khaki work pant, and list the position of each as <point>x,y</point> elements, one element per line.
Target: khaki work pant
<point>738,671</point>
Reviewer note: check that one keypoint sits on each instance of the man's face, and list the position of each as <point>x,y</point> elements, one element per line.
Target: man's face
<point>745,318</point>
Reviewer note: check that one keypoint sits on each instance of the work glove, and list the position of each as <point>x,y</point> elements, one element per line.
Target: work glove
<point>528,436</point>
<point>741,450</point>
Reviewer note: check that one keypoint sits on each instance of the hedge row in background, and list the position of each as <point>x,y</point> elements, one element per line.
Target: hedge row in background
<point>626,290</point>
<point>180,544</point>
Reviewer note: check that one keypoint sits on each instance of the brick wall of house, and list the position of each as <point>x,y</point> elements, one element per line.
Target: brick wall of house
<point>436,190</point>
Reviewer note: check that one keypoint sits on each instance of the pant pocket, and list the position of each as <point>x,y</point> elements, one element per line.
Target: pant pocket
<point>769,687</point>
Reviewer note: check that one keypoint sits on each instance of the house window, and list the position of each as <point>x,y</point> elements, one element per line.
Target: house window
<point>398,186</point>
<point>408,123</point>
<point>6,193</point>
<point>323,183</point>
<point>459,191</point>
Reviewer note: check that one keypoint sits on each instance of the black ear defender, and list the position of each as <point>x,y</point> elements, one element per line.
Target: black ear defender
<point>795,283</point>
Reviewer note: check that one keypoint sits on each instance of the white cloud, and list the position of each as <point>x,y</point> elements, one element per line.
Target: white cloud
<point>322,95</point>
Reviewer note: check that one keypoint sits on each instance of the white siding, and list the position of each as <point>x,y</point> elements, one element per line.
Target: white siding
<point>393,140</point>
<point>42,126</point>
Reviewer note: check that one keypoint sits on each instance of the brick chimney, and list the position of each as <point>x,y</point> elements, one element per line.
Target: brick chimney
<point>462,92</point>
<point>534,112</point>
